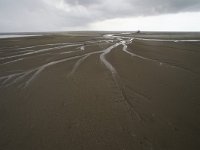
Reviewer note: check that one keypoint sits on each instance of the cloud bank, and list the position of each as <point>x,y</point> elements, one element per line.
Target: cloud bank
<point>55,15</point>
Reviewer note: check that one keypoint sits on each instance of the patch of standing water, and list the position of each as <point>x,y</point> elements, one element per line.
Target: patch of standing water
<point>15,36</point>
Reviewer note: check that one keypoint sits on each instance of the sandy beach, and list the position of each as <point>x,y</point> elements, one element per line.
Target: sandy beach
<point>100,91</point>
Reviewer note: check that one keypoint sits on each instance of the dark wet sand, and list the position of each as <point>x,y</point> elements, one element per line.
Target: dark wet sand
<point>63,97</point>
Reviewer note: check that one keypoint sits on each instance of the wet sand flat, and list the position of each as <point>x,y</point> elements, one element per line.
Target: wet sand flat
<point>100,91</point>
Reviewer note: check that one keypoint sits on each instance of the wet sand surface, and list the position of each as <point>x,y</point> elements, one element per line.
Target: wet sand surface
<point>100,91</point>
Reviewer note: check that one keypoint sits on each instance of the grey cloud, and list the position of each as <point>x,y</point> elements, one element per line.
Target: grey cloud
<point>146,7</point>
<point>44,15</point>
<point>167,6</point>
<point>83,2</point>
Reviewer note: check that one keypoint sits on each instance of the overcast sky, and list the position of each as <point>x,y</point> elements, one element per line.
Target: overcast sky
<point>59,15</point>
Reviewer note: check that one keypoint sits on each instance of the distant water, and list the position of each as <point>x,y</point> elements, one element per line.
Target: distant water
<point>15,35</point>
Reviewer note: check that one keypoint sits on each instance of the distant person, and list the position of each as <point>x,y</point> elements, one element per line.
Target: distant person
<point>138,32</point>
